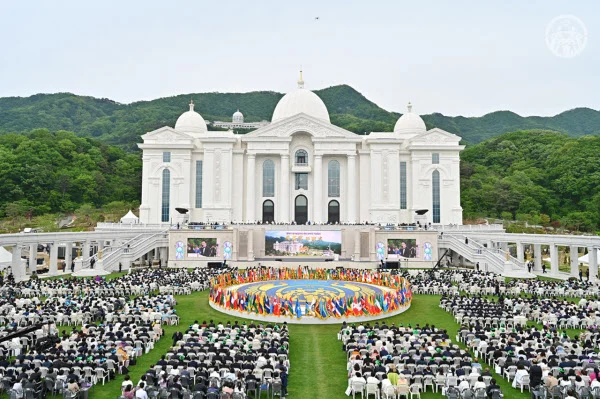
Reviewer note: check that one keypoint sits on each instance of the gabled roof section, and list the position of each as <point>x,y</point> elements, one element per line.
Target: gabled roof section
<point>301,123</point>
<point>436,136</point>
<point>166,135</point>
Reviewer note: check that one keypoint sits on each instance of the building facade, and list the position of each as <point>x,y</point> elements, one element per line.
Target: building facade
<point>300,168</point>
<point>237,122</point>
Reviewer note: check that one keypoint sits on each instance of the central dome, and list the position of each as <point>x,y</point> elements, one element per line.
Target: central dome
<point>410,123</point>
<point>299,101</point>
<point>191,122</point>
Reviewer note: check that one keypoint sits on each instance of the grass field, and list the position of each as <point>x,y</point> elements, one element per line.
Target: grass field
<point>318,364</point>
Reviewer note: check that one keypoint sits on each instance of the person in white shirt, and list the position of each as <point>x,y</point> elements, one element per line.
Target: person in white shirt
<point>519,376</point>
<point>357,377</point>
<point>479,384</point>
<point>18,388</point>
<point>126,381</point>
<point>140,393</point>
<point>464,385</point>
<point>373,380</point>
<point>595,384</point>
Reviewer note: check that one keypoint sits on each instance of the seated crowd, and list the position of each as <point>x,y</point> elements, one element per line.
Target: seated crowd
<point>214,359</point>
<point>397,360</point>
<point>110,328</point>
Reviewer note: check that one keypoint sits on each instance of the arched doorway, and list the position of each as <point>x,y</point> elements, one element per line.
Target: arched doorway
<point>268,213</point>
<point>333,212</point>
<point>301,209</point>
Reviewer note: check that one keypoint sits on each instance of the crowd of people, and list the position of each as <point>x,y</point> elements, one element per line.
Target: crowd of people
<point>212,359</point>
<point>394,360</point>
<point>519,328</point>
<point>64,335</point>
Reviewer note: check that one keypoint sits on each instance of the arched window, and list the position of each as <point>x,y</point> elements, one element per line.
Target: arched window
<point>435,183</point>
<point>268,214</point>
<point>301,157</point>
<point>301,209</point>
<point>268,178</point>
<point>166,195</point>
<point>333,179</point>
<point>333,212</point>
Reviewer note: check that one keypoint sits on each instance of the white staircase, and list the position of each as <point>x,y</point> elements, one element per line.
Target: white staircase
<point>128,252</point>
<point>497,261</point>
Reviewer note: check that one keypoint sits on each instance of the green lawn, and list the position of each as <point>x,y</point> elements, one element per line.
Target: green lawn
<point>318,364</point>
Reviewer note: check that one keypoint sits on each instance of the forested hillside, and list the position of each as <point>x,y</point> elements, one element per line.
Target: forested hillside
<point>122,124</point>
<point>537,176</point>
<point>43,172</point>
<point>61,151</point>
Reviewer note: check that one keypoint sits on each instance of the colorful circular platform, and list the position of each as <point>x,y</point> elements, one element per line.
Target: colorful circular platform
<point>322,296</point>
<point>311,290</point>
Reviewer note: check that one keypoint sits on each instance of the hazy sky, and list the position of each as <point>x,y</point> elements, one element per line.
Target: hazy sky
<point>454,57</point>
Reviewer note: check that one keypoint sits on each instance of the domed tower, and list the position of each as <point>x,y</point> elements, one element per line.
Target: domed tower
<point>410,123</point>
<point>238,117</point>
<point>191,122</point>
<point>299,101</point>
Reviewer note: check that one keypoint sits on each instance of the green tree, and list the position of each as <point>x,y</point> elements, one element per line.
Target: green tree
<point>14,211</point>
<point>86,210</point>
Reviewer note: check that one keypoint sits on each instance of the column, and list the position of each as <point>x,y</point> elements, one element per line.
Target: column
<point>317,205</point>
<point>53,259</point>
<point>537,253</point>
<point>32,257</point>
<point>553,259</point>
<point>17,267</point>
<point>356,245</point>
<point>85,253</point>
<point>208,179</point>
<point>68,255</point>
<point>593,263</point>
<point>284,200</point>
<point>251,245</point>
<point>250,181</point>
<point>574,255</point>
<point>351,218</point>
<point>520,250</point>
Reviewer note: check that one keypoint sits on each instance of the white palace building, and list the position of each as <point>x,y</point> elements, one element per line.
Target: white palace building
<point>300,168</point>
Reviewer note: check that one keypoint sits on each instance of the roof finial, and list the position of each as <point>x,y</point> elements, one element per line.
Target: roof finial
<point>300,81</point>
<point>191,104</point>
<point>409,107</point>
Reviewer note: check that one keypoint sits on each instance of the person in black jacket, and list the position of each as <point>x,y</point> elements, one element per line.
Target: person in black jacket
<point>492,387</point>
<point>535,374</point>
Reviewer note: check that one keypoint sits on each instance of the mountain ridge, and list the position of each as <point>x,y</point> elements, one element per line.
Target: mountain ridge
<point>118,123</point>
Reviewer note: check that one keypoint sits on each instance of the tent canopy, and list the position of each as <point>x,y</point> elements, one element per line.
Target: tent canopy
<point>585,259</point>
<point>130,218</point>
<point>5,257</point>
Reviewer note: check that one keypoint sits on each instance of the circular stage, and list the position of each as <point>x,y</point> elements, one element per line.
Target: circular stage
<point>309,290</point>
<point>312,301</point>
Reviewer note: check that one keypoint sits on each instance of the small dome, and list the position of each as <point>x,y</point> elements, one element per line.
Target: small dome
<point>299,101</point>
<point>191,122</point>
<point>410,123</point>
<point>238,117</point>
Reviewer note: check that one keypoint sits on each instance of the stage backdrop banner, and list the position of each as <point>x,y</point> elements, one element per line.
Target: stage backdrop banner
<point>403,248</point>
<point>303,243</point>
<point>203,247</point>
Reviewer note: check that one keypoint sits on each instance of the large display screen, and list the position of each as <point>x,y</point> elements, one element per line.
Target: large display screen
<point>203,247</point>
<point>303,243</point>
<point>403,248</point>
